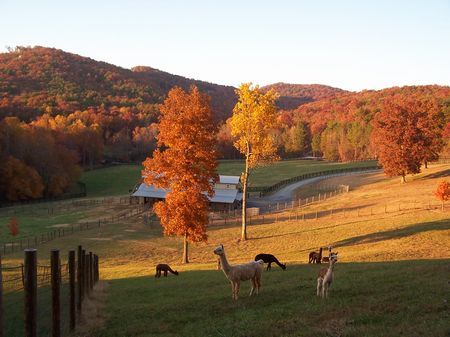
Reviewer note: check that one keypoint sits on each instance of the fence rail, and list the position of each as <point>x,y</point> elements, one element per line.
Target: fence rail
<point>39,280</point>
<point>36,240</point>
<point>264,190</point>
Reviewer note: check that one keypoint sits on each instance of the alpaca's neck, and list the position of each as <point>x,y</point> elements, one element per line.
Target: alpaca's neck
<point>330,268</point>
<point>226,267</point>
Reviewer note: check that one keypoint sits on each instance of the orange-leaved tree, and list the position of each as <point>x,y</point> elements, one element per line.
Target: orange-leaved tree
<point>185,164</point>
<point>13,226</point>
<point>407,133</point>
<point>252,124</point>
<point>443,192</point>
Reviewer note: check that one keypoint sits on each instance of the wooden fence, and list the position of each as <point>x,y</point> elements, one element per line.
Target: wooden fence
<point>56,286</point>
<point>269,189</point>
<point>36,240</point>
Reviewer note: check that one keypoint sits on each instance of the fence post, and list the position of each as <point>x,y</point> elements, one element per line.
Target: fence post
<point>72,289</point>
<point>1,298</point>
<point>30,289</point>
<point>91,269</point>
<point>81,276</point>
<point>86,274</point>
<point>96,269</point>
<point>56,300</point>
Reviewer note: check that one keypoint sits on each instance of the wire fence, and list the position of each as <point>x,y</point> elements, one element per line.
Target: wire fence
<point>39,239</point>
<point>46,300</point>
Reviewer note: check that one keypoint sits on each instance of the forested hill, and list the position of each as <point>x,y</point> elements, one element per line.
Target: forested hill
<point>39,80</point>
<point>294,95</point>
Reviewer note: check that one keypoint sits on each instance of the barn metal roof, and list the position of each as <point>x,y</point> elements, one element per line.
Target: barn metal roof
<point>229,180</point>
<point>227,196</point>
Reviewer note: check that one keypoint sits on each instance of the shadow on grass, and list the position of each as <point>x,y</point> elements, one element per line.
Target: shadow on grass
<point>198,303</point>
<point>442,174</point>
<point>395,233</point>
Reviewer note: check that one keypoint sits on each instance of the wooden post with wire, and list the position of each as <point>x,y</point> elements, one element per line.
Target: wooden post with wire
<point>30,289</point>
<point>56,292</point>
<point>72,290</point>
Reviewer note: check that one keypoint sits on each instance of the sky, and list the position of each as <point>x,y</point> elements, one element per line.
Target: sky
<point>352,45</point>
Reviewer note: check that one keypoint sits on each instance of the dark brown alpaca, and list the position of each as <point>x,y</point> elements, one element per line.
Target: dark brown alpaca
<point>269,258</point>
<point>162,267</point>
<point>315,257</point>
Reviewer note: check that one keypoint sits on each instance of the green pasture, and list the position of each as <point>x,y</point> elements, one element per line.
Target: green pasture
<point>35,219</point>
<point>118,180</point>
<point>366,299</point>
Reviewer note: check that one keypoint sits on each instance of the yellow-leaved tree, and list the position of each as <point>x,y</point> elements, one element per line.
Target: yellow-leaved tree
<point>252,124</point>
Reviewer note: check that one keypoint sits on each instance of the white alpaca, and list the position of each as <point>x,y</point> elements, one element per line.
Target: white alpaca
<point>325,278</point>
<point>241,272</point>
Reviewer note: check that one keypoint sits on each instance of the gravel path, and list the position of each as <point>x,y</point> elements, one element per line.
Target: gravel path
<point>286,193</point>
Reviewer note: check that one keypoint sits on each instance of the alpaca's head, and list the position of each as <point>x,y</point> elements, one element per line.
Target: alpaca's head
<point>175,272</point>
<point>333,258</point>
<point>283,266</point>
<point>219,250</point>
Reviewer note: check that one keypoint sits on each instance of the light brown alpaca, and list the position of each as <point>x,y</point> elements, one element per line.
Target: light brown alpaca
<point>325,278</point>
<point>241,272</point>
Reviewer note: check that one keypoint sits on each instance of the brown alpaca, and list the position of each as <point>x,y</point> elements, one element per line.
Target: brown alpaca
<point>162,267</point>
<point>325,278</point>
<point>241,272</point>
<point>315,257</point>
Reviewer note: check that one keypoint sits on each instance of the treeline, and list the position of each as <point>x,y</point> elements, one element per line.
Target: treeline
<point>342,128</point>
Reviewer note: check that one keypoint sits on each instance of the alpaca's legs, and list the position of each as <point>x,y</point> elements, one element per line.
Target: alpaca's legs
<point>319,286</point>
<point>253,286</point>
<point>232,290</point>
<point>324,290</point>
<point>165,273</point>
<point>269,266</point>
<point>236,289</point>
<point>258,285</point>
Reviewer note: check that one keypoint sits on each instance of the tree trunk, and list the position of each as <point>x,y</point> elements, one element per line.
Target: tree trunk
<point>403,179</point>
<point>426,164</point>
<point>244,196</point>
<point>185,250</point>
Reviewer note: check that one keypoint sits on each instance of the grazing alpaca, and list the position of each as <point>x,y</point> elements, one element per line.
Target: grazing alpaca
<point>269,258</point>
<point>315,257</point>
<point>164,268</point>
<point>325,278</point>
<point>241,272</point>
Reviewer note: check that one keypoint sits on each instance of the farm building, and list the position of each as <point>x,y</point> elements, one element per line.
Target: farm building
<point>226,197</point>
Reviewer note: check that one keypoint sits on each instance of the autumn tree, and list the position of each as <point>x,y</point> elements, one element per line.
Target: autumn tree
<point>297,139</point>
<point>185,164</point>
<point>13,226</point>
<point>254,118</point>
<point>402,134</point>
<point>443,192</point>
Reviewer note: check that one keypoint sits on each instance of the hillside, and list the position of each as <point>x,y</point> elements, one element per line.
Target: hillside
<point>37,80</point>
<point>294,95</point>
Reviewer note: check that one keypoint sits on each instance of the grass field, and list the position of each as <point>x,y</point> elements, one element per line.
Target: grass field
<point>391,278</point>
<point>118,180</point>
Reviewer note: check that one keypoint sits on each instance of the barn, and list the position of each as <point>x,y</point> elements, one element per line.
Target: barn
<point>227,194</point>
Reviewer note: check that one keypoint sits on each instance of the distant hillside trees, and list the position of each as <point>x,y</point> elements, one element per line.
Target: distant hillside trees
<point>35,163</point>
<point>184,162</point>
<point>407,133</point>
<point>252,124</point>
